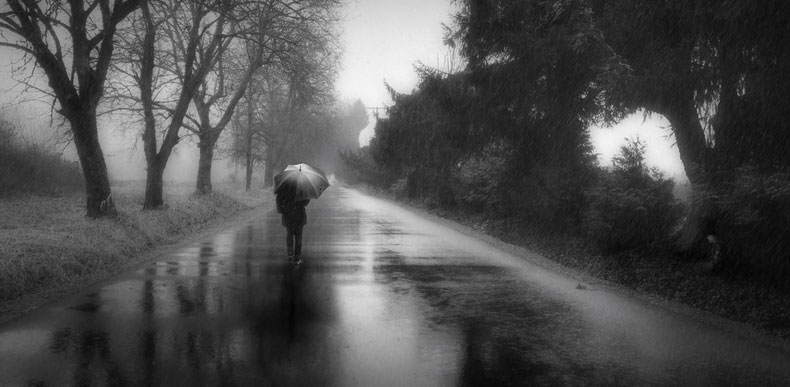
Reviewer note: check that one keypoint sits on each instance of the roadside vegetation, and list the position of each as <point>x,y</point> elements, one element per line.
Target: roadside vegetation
<point>28,167</point>
<point>47,242</point>
<point>247,81</point>
<point>503,145</point>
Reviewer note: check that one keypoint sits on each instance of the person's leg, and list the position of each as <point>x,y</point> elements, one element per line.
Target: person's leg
<point>298,242</point>
<point>289,238</point>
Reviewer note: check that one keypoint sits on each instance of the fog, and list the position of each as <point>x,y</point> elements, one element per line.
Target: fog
<point>30,111</point>
<point>125,159</point>
<point>383,42</point>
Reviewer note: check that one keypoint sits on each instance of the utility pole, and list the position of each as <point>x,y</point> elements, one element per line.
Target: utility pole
<point>375,110</point>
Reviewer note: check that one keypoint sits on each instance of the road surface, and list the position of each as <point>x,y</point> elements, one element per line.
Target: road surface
<point>385,297</point>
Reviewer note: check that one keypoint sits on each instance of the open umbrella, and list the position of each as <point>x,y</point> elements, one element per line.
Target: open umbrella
<point>308,182</point>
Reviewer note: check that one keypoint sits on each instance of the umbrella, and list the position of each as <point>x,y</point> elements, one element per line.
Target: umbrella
<point>308,182</point>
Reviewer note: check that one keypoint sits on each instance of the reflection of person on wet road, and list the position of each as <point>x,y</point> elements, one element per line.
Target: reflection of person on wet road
<point>294,219</point>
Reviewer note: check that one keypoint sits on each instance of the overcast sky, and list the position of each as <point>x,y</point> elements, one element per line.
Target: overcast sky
<point>383,40</point>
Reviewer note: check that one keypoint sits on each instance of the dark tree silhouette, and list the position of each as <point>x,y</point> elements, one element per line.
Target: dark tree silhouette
<point>717,71</point>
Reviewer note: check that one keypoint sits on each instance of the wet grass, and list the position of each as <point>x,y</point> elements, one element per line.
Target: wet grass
<point>46,242</point>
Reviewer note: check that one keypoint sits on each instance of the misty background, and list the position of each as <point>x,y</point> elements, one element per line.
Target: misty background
<point>382,41</point>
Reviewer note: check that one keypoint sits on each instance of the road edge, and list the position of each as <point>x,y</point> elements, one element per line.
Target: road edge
<point>589,282</point>
<point>15,309</point>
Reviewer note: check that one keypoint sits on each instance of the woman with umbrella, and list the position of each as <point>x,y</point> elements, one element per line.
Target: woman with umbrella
<point>294,187</point>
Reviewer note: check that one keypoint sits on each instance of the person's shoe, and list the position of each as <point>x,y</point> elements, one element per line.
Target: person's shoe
<point>298,260</point>
<point>290,258</point>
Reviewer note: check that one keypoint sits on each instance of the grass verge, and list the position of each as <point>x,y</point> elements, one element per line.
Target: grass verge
<point>47,242</point>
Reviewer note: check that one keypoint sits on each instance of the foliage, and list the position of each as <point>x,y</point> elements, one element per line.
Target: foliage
<point>751,220</point>
<point>631,206</point>
<point>363,169</point>
<point>716,70</point>
<point>28,167</point>
<point>538,66</point>
<point>509,134</point>
<point>472,181</point>
<point>537,71</point>
<point>423,137</point>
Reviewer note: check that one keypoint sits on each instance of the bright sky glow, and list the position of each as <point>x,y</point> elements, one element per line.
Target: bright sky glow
<point>654,131</point>
<point>383,40</point>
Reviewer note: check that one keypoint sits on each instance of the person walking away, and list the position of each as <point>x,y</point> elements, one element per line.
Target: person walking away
<point>294,218</point>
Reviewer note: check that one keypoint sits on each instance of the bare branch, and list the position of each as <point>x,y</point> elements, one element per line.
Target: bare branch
<point>18,47</point>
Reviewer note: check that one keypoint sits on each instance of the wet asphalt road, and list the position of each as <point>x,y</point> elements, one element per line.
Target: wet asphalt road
<point>384,298</point>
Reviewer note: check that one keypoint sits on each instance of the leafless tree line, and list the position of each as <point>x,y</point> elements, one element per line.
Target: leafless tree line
<point>180,68</point>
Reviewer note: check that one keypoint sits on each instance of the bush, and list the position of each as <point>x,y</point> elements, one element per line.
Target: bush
<point>534,192</point>
<point>751,218</point>
<point>361,168</point>
<point>27,167</point>
<point>631,207</point>
<point>473,183</point>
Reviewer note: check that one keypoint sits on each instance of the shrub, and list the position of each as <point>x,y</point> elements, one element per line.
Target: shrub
<point>751,219</point>
<point>473,183</point>
<point>361,168</point>
<point>631,207</point>
<point>28,167</point>
<point>548,197</point>
<point>534,192</point>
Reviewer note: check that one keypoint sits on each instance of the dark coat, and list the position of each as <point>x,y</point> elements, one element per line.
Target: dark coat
<point>294,214</point>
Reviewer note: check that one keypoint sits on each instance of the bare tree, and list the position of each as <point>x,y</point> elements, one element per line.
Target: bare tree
<point>253,130</point>
<point>218,96</point>
<point>305,95</point>
<point>280,32</point>
<point>174,49</point>
<point>284,94</point>
<point>250,129</point>
<point>82,32</point>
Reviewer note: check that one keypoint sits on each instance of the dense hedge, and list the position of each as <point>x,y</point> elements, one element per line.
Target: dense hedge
<point>750,216</point>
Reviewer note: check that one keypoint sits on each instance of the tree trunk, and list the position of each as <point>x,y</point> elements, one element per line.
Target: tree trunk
<point>153,185</point>
<point>155,162</point>
<point>206,147</point>
<point>680,110</point>
<point>94,169</point>
<point>248,148</point>
<point>731,141</point>
<point>248,177</point>
<point>690,140</point>
<point>268,169</point>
